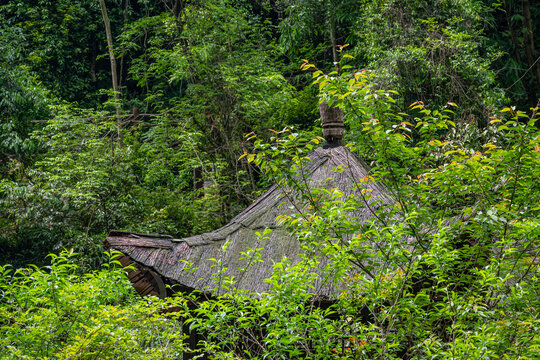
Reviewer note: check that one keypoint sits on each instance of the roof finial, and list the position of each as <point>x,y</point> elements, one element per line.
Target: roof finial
<point>332,123</point>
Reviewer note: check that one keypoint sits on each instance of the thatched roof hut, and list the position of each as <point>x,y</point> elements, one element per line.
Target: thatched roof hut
<point>163,260</point>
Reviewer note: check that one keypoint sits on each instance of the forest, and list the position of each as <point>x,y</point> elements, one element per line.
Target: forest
<point>173,116</point>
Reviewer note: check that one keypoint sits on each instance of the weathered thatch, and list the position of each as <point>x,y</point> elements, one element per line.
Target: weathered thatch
<point>170,257</point>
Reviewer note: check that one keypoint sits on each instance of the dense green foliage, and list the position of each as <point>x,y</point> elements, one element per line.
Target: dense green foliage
<point>449,271</point>
<point>455,272</point>
<point>54,313</point>
<point>432,53</point>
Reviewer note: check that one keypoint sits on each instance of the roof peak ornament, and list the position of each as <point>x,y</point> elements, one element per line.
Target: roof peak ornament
<point>332,123</point>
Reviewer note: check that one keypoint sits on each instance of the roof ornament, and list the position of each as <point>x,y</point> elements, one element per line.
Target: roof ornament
<point>332,123</point>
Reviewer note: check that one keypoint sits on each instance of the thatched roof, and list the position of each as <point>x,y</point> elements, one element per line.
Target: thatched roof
<point>170,257</point>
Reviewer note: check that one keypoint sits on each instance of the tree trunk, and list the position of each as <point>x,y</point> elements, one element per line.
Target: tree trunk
<point>332,26</point>
<point>93,62</point>
<point>176,8</point>
<point>530,51</point>
<point>113,69</point>
<point>121,72</point>
<point>508,13</point>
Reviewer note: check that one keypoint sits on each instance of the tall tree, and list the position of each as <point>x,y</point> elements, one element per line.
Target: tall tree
<point>23,102</point>
<point>513,30</point>
<point>313,29</point>
<point>59,43</point>
<point>114,74</point>
<point>433,51</point>
<point>529,44</point>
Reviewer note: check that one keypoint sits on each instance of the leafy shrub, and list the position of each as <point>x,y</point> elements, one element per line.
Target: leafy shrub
<point>53,313</point>
<point>448,270</point>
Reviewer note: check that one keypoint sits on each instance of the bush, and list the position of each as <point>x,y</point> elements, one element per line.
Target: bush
<point>448,270</point>
<point>55,314</point>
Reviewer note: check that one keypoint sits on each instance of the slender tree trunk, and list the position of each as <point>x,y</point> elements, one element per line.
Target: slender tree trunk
<point>93,62</point>
<point>332,26</point>
<point>528,39</point>
<point>108,32</point>
<point>121,72</point>
<point>176,8</point>
<point>508,13</point>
